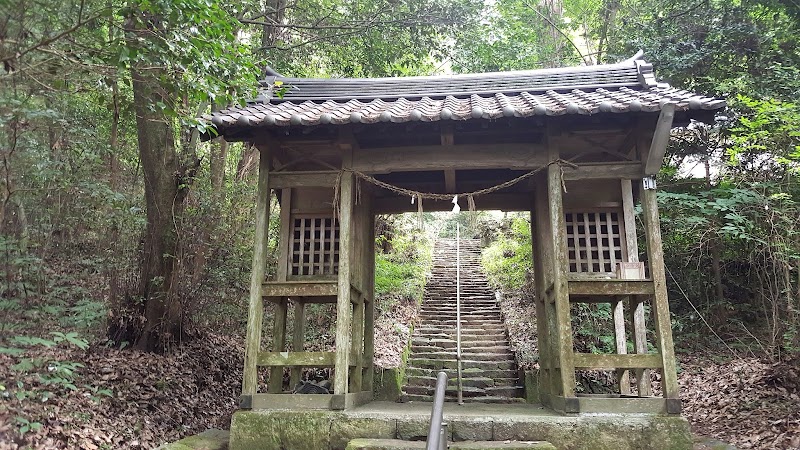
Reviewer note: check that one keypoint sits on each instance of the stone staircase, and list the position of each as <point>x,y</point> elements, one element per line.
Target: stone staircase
<point>488,366</point>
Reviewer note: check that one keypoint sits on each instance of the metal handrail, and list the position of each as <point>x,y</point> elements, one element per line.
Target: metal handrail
<point>437,438</point>
<point>458,313</point>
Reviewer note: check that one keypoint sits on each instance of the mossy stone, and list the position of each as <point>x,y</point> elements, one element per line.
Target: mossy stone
<point>281,430</point>
<point>669,433</point>
<point>345,429</point>
<point>211,439</point>
<point>387,384</point>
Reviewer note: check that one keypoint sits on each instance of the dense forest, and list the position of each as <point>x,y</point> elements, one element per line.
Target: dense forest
<point>126,235</point>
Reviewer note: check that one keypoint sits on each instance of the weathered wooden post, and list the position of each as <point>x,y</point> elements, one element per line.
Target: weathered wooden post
<point>560,291</point>
<point>343,304</point>
<point>255,313</point>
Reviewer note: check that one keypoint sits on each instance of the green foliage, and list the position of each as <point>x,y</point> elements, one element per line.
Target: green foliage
<point>366,38</point>
<point>765,136</point>
<point>401,272</point>
<point>516,35</point>
<point>508,259</point>
<point>716,46</point>
<point>24,425</point>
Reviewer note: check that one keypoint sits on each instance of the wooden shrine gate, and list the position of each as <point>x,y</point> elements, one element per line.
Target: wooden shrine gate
<point>577,147</point>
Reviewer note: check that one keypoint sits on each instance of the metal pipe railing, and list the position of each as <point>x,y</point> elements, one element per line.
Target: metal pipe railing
<point>458,313</point>
<point>437,438</point>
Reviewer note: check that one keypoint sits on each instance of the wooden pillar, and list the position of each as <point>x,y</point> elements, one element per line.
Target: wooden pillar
<point>563,346</point>
<point>635,304</point>
<point>278,344</point>
<point>369,306</point>
<point>662,321</point>
<point>357,345</point>
<point>255,313</point>
<point>636,307</point>
<point>298,337</point>
<point>540,258</point>
<point>343,304</point>
<point>617,307</point>
<point>286,231</point>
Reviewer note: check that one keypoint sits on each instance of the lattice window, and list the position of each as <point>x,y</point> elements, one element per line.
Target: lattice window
<point>594,241</point>
<point>314,246</point>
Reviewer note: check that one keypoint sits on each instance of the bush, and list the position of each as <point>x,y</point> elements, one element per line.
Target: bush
<point>507,260</point>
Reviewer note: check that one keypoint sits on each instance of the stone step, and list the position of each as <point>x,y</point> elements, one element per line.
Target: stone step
<point>465,336</point>
<point>489,312</point>
<point>472,333</point>
<point>477,317</point>
<point>451,391</point>
<point>429,363</point>
<point>446,325</point>
<point>416,348</point>
<point>488,362</point>
<point>465,306</point>
<point>465,319</point>
<point>467,391</point>
<point>473,381</point>
<point>487,399</point>
<point>451,343</point>
<point>478,313</point>
<point>466,355</point>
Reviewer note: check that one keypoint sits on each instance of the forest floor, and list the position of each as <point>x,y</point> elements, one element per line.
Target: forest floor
<point>151,399</point>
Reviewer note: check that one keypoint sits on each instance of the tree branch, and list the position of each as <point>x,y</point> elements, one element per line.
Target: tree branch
<point>48,41</point>
<point>560,31</point>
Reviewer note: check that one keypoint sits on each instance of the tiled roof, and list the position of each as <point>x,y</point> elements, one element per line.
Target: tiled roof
<point>628,86</point>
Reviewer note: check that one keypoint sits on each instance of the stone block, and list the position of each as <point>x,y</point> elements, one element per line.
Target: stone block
<point>281,430</point>
<point>472,430</point>
<point>211,439</point>
<point>344,429</point>
<point>387,384</point>
<point>413,429</point>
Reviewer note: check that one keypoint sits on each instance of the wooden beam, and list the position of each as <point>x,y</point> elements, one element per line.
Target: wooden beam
<point>278,345</point>
<point>322,178</point>
<point>499,201</point>
<point>297,359</point>
<point>443,157</point>
<point>255,313</point>
<point>450,180</point>
<point>310,401</point>
<point>298,339</point>
<point>629,221</point>
<point>357,346</point>
<point>618,308</point>
<point>658,146</point>
<point>660,305</point>
<point>609,361</point>
<point>639,333</point>
<point>611,287</point>
<point>299,288</point>
<point>600,171</point>
<point>285,231</point>
<point>622,405</point>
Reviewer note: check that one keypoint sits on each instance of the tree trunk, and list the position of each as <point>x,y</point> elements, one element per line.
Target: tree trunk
<point>164,198</point>
<point>609,14</point>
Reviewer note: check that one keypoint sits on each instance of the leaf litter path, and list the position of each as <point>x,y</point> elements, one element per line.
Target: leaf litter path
<point>748,402</point>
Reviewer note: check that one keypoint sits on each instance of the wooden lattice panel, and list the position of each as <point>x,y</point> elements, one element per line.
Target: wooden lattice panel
<point>594,241</point>
<point>314,246</point>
